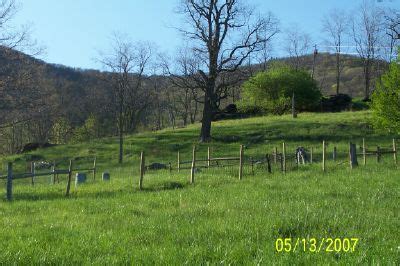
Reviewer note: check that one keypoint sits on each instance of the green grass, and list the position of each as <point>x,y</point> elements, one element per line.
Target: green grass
<point>219,219</point>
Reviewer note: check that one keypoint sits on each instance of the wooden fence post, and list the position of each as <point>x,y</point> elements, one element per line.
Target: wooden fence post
<point>294,113</point>
<point>275,155</point>
<point>241,163</point>
<point>334,155</point>
<point>268,163</point>
<point>311,154</point>
<point>69,178</point>
<point>284,157</point>
<point>179,162</point>
<point>208,157</point>
<point>94,169</point>
<point>141,169</point>
<point>9,181</point>
<point>54,172</point>
<point>378,154</point>
<point>323,155</point>
<point>364,153</point>
<point>192,170</point>
<point>353,155</point>
<point>394,151</point>
<point>33,173</point>
<point>252,165</point>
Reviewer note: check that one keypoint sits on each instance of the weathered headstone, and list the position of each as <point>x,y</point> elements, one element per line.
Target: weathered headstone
<point>80,178</point>
<point>105,176</point>
<point>301,156</point>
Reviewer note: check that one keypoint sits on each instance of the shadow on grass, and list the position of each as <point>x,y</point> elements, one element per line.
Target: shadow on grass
<point>31,196</point>
<point>54,195</point>
<point>300,229</point>
<point>165,187</point>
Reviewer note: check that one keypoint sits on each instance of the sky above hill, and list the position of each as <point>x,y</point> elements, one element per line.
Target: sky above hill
<point>74,31</point>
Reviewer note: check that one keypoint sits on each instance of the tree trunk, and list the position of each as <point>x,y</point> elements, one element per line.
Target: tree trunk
<point>294,114</point>
<point>337,73</point>
<point>193,113</point>
<point>205,133</point>
<point>121,136</point>
<point>172,118</point>
<point>185,118</point>
<point>367,74</point>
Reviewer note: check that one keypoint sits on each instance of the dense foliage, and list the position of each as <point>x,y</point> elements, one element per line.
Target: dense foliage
<point>271,91</point>
<point>386,100</point>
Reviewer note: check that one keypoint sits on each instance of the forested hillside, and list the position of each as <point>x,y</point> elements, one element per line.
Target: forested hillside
<point>54,103</point>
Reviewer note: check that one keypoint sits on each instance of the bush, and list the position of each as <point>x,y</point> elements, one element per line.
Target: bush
<point>88,131</point>
<point>245,108</point>
<point>271,91</point>
<point>386,100</point>
<point>336,103</point>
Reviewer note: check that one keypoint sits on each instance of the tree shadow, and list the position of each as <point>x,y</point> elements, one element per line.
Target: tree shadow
<point>58,195</point>
<point>29,196</point>
<point>165,187</point>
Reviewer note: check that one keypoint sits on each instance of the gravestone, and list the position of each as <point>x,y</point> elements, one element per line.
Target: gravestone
<point>301,155</point>
<point>80,178</point>
<point>106,176</point>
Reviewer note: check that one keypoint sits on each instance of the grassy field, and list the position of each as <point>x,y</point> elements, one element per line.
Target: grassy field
<point>219,219</point>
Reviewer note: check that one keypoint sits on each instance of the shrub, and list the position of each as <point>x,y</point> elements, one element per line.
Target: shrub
<point>271,91</point>
<point>386,100</point>
<point>88,131</point>
<point>336,103</point>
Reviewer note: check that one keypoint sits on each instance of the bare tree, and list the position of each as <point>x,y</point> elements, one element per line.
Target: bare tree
<point>392,25</point>
<point>336,26</point>
<point>12,38</point>
<point>187,97</point>
<point>298,45</point>
<point>127,63</point>
<point>224,34</point>
<point>139,95</point>
<point>9,37</point>
<point>265,55</point>
<point>272,28</point>
<point>367,31</point>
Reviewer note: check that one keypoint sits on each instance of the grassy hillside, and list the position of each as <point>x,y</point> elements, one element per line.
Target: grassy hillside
<point>219,219</point>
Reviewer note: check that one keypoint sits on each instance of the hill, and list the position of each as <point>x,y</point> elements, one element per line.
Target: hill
<point>50,103</point>
<point>219,218</point>
<point>352,80</point>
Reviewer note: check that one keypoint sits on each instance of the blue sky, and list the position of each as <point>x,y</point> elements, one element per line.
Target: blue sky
<point>73,31</point>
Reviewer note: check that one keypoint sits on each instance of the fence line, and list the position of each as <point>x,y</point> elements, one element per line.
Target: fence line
<point>279,158</point>
<point>276,157</point>
<point>33,173</point>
